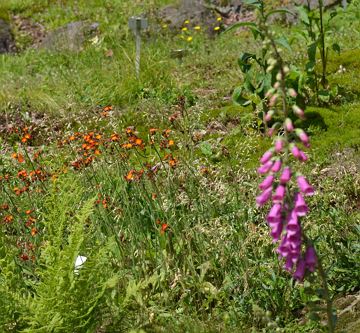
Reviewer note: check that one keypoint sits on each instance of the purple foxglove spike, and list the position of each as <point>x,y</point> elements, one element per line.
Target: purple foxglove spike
<point>285,176</point>
<point>279,144</point>
<point>262,199</point>
<point>288,125</point>
<point>310,258</point>
<point>283,248</point>
<point>300,270</point>
<point>274,214</point>
<point>279,195</point>
<point>265,168</point>
<point>267,182</point>
<point>303,157</point>
<point>266,157</point>
<point>304,186</point>
<point>301,208</point>
<point>277,166</point>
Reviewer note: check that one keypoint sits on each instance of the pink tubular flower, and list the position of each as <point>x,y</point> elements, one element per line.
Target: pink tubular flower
<point>266,157</point>
<point>279,144</point>
<point>288,125</point>
<point>265,168</point>
<point>301,208</point>
<point>276,166</point>
<point>264,197</point>
<point>304,186</point>
<point>285,176</point>
<point>296,152</point>
<point>267,182</point>
<point>279,195</point>
<point>310,258</point>
<point>274,215</point>
<point>293,227</point>
<point>300,270</point>
<point>276,230</point>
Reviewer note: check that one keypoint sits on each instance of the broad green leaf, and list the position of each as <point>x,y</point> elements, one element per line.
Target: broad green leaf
<point>303,15</point>
<point>278,11</point>
<point>283,42</point>
<point>242,24</point>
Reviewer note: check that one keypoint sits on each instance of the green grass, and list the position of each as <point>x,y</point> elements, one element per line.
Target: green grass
<point>214,268</point>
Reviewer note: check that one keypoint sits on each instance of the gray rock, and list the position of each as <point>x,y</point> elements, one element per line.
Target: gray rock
<point>70,37</point>
<point>7,43</point>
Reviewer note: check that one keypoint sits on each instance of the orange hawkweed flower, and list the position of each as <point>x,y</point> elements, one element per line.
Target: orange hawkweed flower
<point>130,130</point>
<point>130,176</point>
<point>115,137</point>
<point>72,138</point>
<point>22,174</point>
<point>8,218</point>
<point>164,227</point>
<point>153,131</point>
<point>127,145</point>
<point>18,157</point>
<point>25,138</point>
<point>30,221</point>
<point>173,163</point>
<point>28,212</point>
<point>107,108</point>
<point>166,133</point>
<point>34,231</point>
<point>171,143</point>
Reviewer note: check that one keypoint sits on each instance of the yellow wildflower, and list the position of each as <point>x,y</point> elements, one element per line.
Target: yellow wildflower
<point>165,26</point>
<point>189,39</point>
<point>217,28</point>
<point>184,29</point>
<point>219,19</point>
<point>187,22</point>
<point>197,27</point>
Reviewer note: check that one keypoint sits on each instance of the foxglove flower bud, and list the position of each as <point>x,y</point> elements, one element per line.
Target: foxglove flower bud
<point>277,166</point>
<point>299,112</point>
<point>279,144</point>
<point>310,258</point>
<point>269,115</point>
<point>288,125</point>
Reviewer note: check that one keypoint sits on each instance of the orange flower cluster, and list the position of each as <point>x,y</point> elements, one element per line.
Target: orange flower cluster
<point>134,175</point>
<point>26,135</point>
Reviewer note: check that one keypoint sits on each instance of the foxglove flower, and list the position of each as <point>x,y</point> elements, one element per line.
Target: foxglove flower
<point>304,186</point>
<point>264,197</point>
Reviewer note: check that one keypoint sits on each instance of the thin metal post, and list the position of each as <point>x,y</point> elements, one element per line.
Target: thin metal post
<point>137,57</point>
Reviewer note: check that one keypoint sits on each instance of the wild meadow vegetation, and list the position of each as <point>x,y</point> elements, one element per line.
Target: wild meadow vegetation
<point>129,205</point>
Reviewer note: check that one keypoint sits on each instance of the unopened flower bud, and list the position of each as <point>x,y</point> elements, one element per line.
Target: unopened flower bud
<point>288,125</point>
<point>292,92</point>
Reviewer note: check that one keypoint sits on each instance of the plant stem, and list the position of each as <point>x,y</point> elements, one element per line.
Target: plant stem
<point>322,41</point>
<point>329,308</point>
